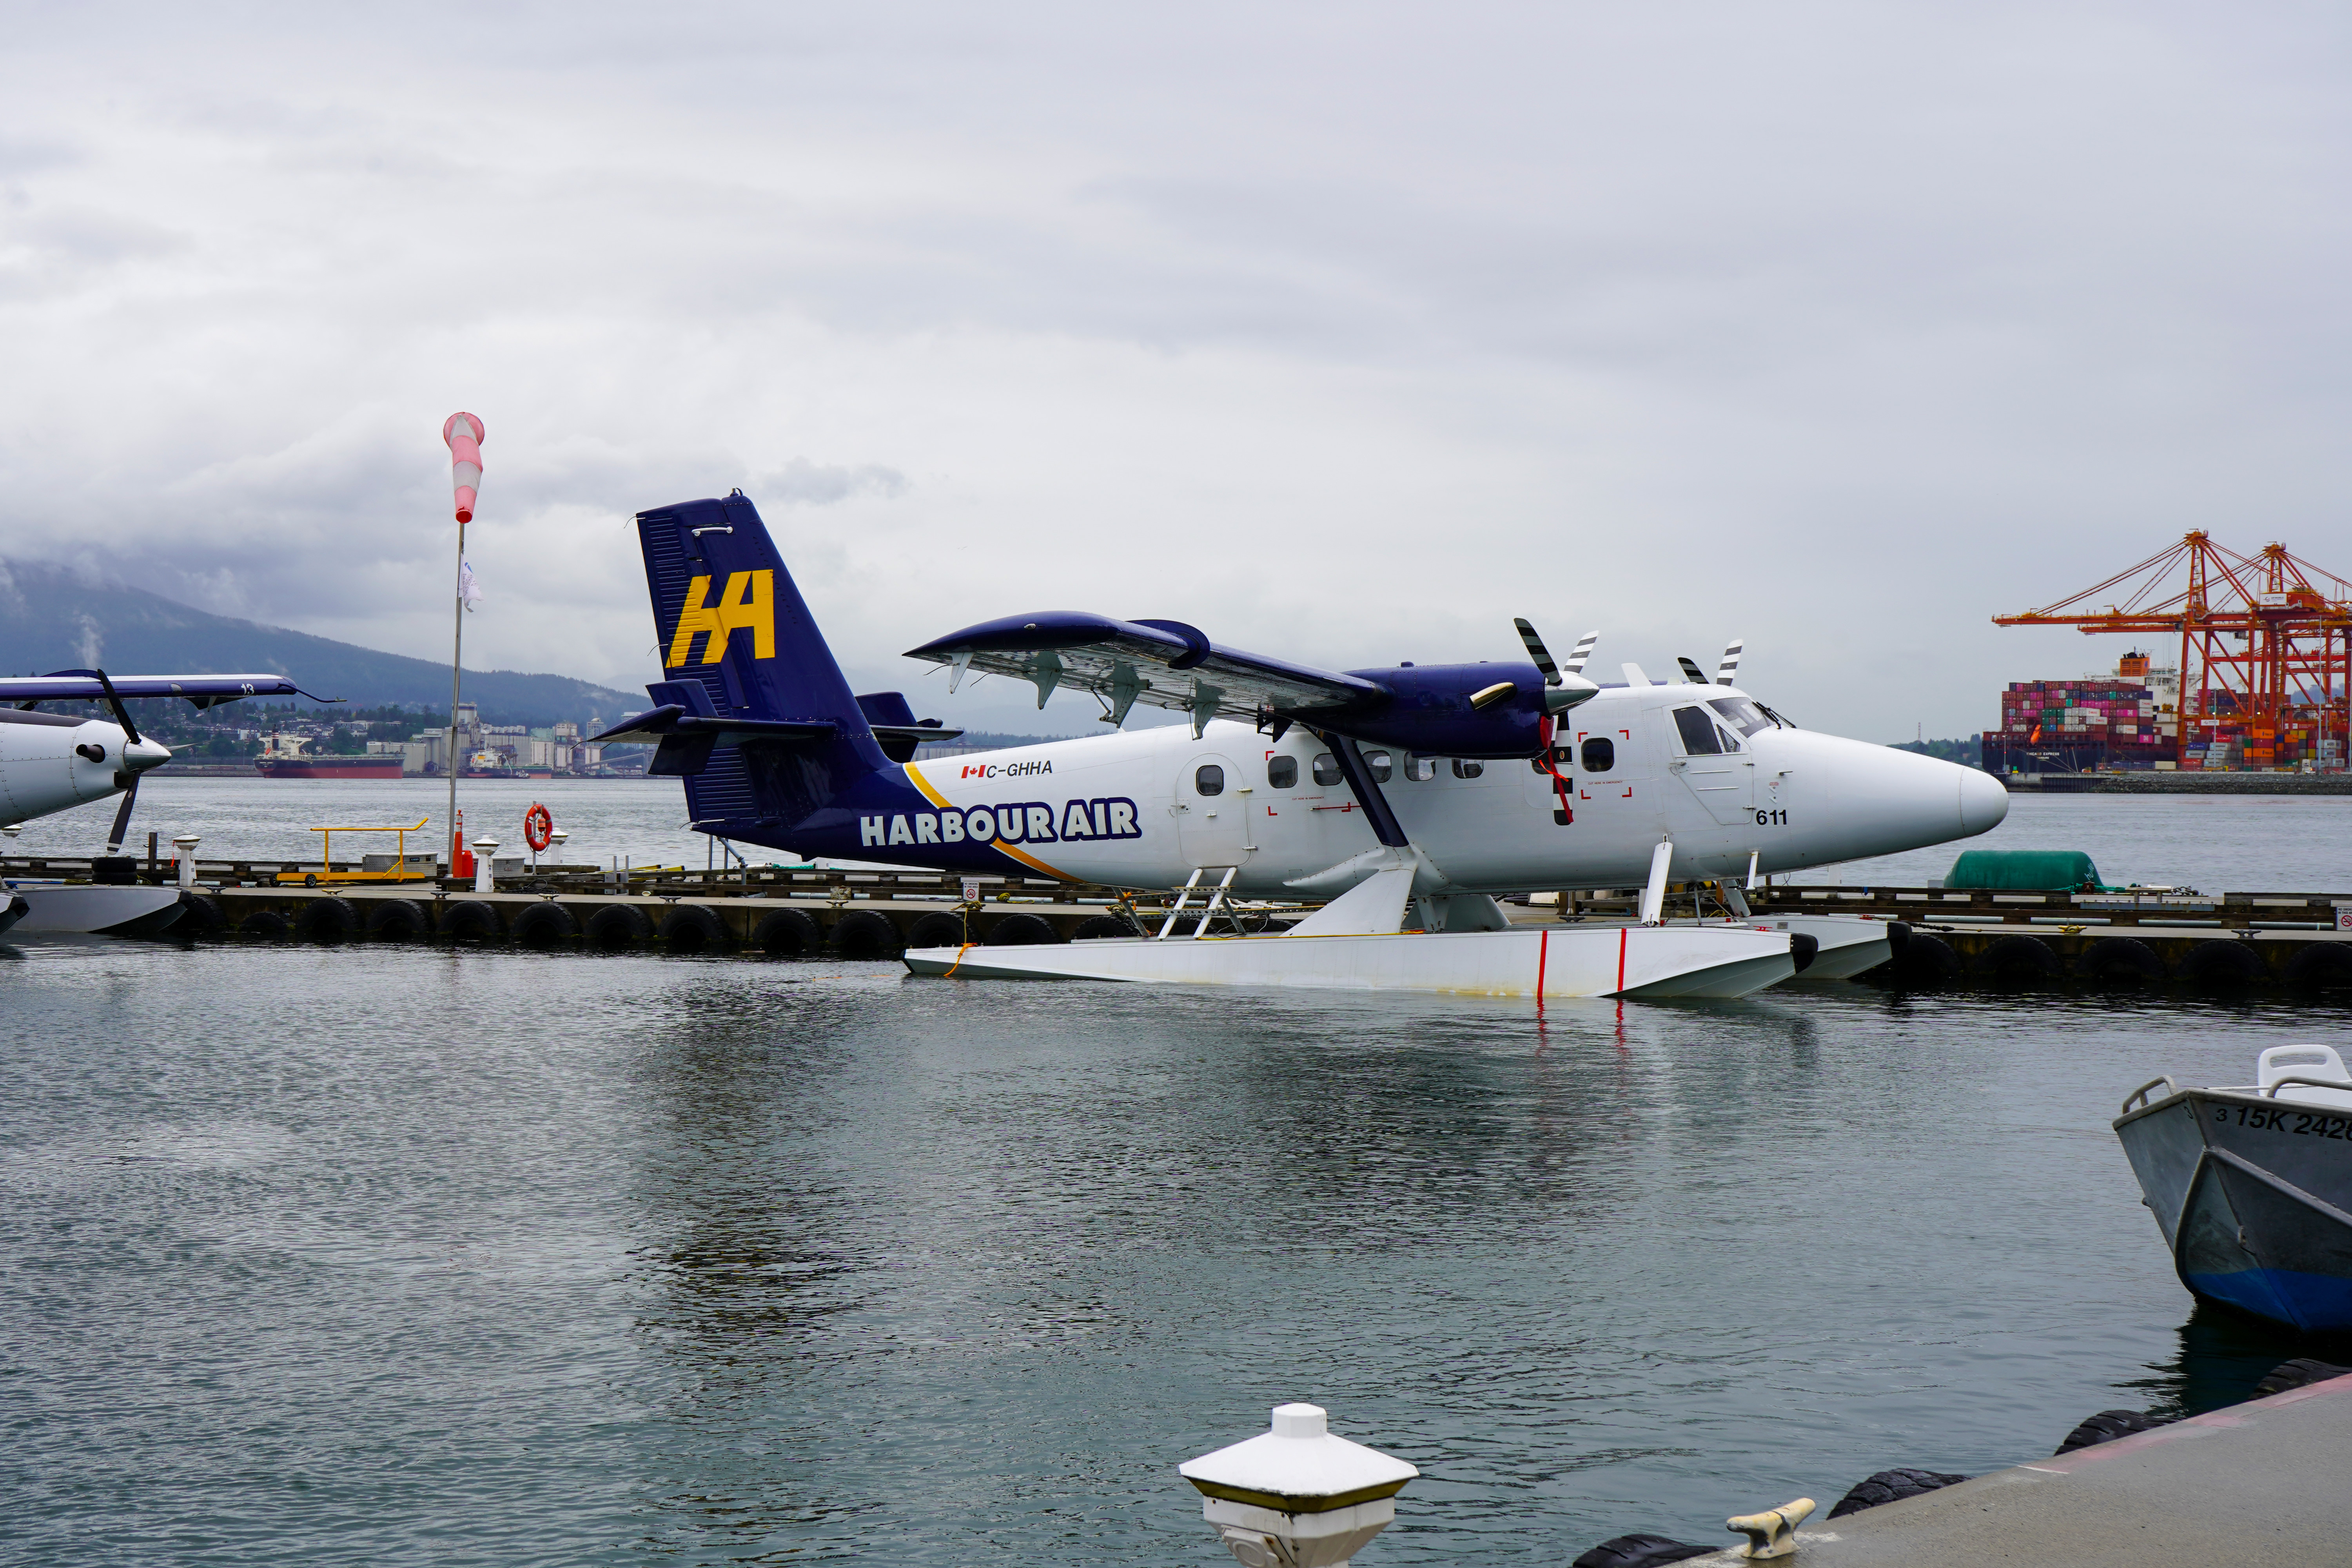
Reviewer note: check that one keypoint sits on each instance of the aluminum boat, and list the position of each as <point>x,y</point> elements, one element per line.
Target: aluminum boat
<point>2251,1186</point>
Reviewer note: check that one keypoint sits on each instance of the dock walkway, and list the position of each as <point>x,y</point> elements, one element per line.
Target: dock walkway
<point>2261,1482</point>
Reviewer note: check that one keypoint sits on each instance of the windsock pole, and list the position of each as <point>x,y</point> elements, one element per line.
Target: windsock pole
<point>464,435</point>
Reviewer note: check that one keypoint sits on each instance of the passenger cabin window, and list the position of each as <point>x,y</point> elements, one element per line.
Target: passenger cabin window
<point>1208,779</point>
<point>1699,739</point>
<point>1420,770</point>
<point>1744,716</point>
<point>1327,769</point>
<point>1463,768</point>
<point>1282,773</point>
<point>1599,755</point>
<point>1380,765</point>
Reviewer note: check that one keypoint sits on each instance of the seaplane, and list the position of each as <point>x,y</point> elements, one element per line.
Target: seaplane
<point>1406,801</point>
<point>54,761</point>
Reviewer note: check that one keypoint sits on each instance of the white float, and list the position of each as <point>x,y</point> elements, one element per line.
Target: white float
<point>94,908</point>
<point>1548,962</point>
<point>1354,944</point>
<point>1848,944</point>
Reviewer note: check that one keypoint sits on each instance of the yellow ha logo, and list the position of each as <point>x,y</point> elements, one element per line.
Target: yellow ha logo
<point>749,601</point>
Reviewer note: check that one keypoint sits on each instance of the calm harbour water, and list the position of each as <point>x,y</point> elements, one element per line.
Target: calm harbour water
<point>403,1257</point>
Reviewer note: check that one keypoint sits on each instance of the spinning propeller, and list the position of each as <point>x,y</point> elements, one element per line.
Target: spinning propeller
<point>138,756</point>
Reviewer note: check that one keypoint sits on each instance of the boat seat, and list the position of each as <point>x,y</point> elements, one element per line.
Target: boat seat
<point>2281,1062</point>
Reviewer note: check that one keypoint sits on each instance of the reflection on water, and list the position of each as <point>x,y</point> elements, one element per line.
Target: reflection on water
<point>2223,1354</point>
<point>384,1256</point>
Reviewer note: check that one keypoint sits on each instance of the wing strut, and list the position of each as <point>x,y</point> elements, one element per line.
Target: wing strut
<point>1367,789</point>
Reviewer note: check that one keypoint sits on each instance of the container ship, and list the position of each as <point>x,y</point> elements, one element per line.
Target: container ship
<point>2132,721</point>
<point>360,767</point>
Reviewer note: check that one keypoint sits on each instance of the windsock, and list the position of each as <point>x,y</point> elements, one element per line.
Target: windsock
<point>463,432</point>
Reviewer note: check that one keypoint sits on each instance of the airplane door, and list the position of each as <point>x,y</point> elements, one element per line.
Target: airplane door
<point>1616,776</point>
<point>1213,800</point>
<point>1714,763</point>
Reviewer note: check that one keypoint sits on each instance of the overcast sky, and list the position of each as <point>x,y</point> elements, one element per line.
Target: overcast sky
<point>1346,333</point>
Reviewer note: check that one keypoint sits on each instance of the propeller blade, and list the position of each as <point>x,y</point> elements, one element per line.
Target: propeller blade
<point>1536,651</point>
<point>122,818</point>
<point>121,714</point>
<point>1583,651</point>
<point>1690,670</point>
<point>1730,668</point>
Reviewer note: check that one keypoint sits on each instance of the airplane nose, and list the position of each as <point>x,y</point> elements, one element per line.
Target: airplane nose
<point>1984,802</point>
<point>144,753</point>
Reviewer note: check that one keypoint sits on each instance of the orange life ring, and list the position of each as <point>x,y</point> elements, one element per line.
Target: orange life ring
<point>538,826</point>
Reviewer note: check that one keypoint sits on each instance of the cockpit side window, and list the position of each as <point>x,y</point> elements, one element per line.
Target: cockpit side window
<point>1744,715</point>
<point>1697,731</point>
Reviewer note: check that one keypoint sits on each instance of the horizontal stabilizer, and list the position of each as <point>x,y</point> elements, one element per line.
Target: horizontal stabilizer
<point>671,719</point>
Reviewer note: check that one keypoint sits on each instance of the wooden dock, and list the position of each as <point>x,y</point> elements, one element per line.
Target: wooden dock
<point>2297,941</point>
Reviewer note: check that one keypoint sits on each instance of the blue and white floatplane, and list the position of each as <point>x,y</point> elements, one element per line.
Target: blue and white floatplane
<point>1404,799</point>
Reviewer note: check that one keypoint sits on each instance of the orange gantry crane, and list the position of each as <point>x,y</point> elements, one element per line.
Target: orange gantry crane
<point>2263,640</point>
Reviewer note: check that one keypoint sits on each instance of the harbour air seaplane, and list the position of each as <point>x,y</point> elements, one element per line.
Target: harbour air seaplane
<point>1405,799</point>
<point>54,761</point>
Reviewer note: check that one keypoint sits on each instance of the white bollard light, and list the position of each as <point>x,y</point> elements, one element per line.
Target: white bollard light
<point>483,849</point>
<point>184,846</point>
<point>1297,1496</point>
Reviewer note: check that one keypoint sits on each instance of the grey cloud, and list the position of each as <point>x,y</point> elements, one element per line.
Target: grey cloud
<point>802,483</point>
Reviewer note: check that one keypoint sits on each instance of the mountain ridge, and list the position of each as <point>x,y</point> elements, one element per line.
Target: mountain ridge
<point>55,620</point>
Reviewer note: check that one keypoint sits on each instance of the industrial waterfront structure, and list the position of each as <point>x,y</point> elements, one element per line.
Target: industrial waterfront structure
<point>2260,681</point>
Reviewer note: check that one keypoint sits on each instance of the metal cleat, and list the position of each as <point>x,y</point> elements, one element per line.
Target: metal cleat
<point>1772,1534</point>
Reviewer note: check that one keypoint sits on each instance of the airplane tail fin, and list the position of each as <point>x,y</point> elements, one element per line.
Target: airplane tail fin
<point>737,643</point>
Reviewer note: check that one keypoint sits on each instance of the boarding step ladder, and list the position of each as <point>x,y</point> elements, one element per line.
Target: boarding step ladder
<point>1184,896</point>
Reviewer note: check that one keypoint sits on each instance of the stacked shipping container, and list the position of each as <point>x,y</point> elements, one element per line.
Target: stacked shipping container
<point>2121,716</point>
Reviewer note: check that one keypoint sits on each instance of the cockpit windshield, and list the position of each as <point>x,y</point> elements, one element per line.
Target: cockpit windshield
<point>1700,737</point>
<point>1745,716</point>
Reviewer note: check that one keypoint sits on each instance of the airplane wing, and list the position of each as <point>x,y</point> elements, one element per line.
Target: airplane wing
<point>1161,664</point>
<point>203,691</point>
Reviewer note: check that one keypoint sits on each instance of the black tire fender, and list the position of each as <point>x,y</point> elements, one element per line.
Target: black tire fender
<point>547,924</point>
<point>200,916</point>
<point>1927,961</point>
<point>397,919</point>
<point>694,927</point>
<point>2106,1427</point>
<point>618,927</point>
<point>788,933</point>
<point>2320,966</point>
<point>937,930</point>
<point>2018,958</point>
<point>267,924</point>
<point>1101,926</point>
<point>862,933</point>
<point>2113,958</point>
<point>2222,964</point>
<point>1891,1486</point>
<point>1803,949</point>
<point>1022,930</point>
<point>469,919</point>
<point>1640,1550</point>
<point>327,920</point>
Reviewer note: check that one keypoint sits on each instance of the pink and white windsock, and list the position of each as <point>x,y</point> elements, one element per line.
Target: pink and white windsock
<point>464,434</point>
